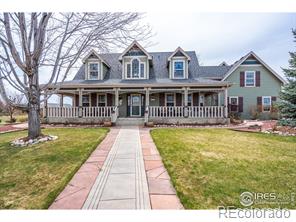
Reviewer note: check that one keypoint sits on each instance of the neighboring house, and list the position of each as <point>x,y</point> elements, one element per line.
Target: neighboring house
<point>164,87</point>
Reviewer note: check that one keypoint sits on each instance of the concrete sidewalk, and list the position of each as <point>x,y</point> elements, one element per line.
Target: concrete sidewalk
<point>122,182</point>
<point>124,172</point>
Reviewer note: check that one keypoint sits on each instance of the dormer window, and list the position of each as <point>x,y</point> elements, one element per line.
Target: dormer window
<point>179,71</point>
<point>135,69</point>
<point>93,70</point>
<point>178,63</point>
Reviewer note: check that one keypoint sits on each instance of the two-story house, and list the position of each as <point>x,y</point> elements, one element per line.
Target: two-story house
<point>164,87</point>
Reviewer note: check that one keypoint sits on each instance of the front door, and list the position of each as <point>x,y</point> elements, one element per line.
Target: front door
<point>135,108</point>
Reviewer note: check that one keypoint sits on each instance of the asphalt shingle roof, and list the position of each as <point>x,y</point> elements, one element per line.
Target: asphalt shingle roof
<point>159,72</point>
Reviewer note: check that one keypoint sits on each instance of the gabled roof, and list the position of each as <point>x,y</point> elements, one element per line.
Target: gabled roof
<point>97,55</point>
<point>139,46</point>
<point>244,58</point>
<point>179,49</point>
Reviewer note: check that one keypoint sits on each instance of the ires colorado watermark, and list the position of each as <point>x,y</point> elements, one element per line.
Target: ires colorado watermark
<point>248,199</point>
<point>253,213</point>
<point>251,199</point>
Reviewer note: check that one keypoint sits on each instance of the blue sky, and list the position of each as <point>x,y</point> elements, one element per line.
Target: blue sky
<point>218,37</point>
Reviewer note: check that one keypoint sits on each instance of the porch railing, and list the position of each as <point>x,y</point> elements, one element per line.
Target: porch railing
<point>75,112</point>
<point>190,111</point>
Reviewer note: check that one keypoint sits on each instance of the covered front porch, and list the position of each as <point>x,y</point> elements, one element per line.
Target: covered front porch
<point>160,105</point>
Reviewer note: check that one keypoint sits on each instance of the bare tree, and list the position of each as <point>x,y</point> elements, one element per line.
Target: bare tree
<point>11,108</point>
<point>50,44</point>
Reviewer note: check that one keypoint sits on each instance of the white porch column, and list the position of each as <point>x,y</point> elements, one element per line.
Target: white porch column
<point>80,98</point>
<point>226,102</point>
<point>219,97</point>
<point>73,100</point>
<point>45,105</point>
<point>61,106</point>
<point>114,114</point>
<point>116,97</point>
<point>80,103</point>
<point>147,101</point>
<point>186,102</point>
<point>61,100</point>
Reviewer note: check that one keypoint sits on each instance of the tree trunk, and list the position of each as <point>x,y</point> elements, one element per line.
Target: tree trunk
<point>34,128</point>
<point>34,121</point>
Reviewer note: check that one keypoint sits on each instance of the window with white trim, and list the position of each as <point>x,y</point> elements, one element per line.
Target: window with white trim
<point>135,69</point>
<point>233,102</point>
<point>266,103</point>
<point>93,70</point>
<point>102,100</point>
<point>170,99</point>
<point>85,100</point>
<point>179,69</point>
<point>249,78</point>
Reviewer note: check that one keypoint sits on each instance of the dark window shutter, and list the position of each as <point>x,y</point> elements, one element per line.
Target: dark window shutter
<point>76,100</point>
<point>240,104</point>
<point>195,99</point>
<point>259,103</point>
<point>258,79</point>
<point>228,105</point>
<point>109,99</point>
<point>161,99</point>
<point>93,99</point>
<point>178,99</point>
<point>273,98</point>
<point>242,79</point>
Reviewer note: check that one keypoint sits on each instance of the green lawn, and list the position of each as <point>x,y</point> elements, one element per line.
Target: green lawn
<point>31,178</point>
<point>212,167</point>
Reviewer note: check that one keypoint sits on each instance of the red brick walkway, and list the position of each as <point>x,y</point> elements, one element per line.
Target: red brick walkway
<point>76,192</point>
<point>13,127</point>
<point>161,192</point>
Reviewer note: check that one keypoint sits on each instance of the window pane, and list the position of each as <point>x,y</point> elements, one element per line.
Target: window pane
<point>93,75</point>
<point>266,101</point>
<point>135,68</point>
<point>142,70</point>
<point>178,65</point>
<point>128,70</point>
<point>85,100</point>
<point>93,70</point>
<point>102,98</point>
<point>94,66</point>
<point>170,100</point>
<point>233,101</point>
<point>189,100</point>
<point>250,79</point>
<point>178,69</point>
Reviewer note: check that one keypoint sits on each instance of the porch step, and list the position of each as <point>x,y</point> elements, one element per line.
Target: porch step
<point>130,121</point>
